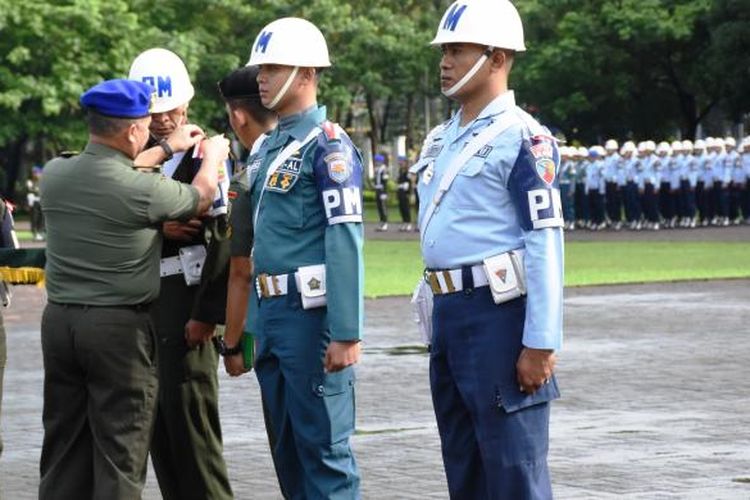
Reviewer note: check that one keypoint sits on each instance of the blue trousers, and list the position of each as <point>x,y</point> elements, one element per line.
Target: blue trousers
<point>309,413</point>
<point>494,437</point>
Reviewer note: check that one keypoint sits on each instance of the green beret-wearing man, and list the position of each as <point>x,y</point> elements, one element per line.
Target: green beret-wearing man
<point>306,198</point>
<point>98,338</point>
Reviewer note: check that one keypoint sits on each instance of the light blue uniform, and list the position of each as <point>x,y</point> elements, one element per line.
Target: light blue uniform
<point>494,436</point>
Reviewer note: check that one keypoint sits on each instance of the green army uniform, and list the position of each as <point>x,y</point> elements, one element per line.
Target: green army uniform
<point>98,335</point>
<point>240,218</point>
<point>309,213</point>
<point>187,449</point>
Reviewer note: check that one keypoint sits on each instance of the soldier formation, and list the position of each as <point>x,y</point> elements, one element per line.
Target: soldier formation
<point>683,184</point>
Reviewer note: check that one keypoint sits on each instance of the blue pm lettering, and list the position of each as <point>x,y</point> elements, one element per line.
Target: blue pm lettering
<point>453,16</point>
<point>263,40</point>
<point>162,85</point>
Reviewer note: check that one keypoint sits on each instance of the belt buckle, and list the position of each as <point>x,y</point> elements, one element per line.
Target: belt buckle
<point>431,277</point>
<point>263,285</point>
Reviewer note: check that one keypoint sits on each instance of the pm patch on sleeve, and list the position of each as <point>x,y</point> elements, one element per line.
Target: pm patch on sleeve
<point>533,184</point>
<point>338,173</point>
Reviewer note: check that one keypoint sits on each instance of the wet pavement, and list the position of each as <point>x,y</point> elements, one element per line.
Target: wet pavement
<point>655,401</point>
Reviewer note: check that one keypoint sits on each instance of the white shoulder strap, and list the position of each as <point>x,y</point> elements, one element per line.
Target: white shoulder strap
<point>283,156</point>
<point>257,144</point>
<point>478,142</point>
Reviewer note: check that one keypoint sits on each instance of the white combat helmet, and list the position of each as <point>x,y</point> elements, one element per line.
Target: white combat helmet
<point>677,147</point>
<point>699,146</point>
<point>494,24</point>
<point>663,148</point>
<point>628,148</point>
<point>583,152</point>
<point>611,145</point>
<point>166,73</point>
<point>687,145</point>
<point>730,142</point>
<point>289,41</point>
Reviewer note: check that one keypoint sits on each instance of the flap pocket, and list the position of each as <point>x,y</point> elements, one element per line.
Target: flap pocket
<point>472,168</point>
<point>510,399</point>
<point>331,384</point>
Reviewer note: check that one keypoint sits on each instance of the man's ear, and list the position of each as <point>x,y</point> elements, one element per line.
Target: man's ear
<point>239,116</point>
<point>307,75</point>
<point>498,59</point>
<point>132,133</point>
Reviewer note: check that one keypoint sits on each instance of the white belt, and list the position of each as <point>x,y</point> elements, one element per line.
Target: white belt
<point>451,280</point>
<point>170,266</point>
<point>269,285</point>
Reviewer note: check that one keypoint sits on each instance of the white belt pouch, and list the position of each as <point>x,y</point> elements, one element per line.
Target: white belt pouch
<point>192,260</point>
<point>311,283</point>
<point>505,274</point>
<point>421,301</point>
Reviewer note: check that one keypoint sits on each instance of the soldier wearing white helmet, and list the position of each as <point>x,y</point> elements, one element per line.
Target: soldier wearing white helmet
<point>663,166</point>
<point>581,199</point>
<point>513,208</point>
<point>186,448</point>
<point>705,183</point>
<point>675,171</point>
<point>734,181</point>
<point>688,180</point>
<point>613,194</point>
<point>595,187</point>
<point>305,184</point>
<point>650,179</point>
<point>628,183</point>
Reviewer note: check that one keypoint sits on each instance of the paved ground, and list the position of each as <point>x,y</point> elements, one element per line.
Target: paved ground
<point>655,401</point>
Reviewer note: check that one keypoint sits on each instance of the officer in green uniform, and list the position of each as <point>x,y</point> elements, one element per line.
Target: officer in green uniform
<point>250,121</point>
<point>187,449</point>
<point>306,198</point>
<point>98,338</point>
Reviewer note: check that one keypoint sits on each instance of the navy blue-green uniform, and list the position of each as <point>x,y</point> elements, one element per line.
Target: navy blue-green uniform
<point>98,333</point>
<point>309,214</point>
<point>187,449</point>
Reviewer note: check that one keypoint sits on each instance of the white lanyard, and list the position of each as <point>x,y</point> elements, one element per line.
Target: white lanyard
<point>282,157</point>
<point>505,120</point>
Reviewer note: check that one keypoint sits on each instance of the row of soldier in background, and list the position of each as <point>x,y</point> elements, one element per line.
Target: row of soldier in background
<point>682,184</point>
<point>407,195</point>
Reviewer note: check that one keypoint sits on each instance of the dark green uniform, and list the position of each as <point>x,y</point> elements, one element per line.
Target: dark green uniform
<point>187,447</point>
<point>98,336</point>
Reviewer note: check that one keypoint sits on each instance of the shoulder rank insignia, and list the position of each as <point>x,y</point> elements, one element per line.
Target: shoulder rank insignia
<point>331,130</point>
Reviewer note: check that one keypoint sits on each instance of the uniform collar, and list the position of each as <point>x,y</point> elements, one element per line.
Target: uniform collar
<point>299,125</point>
<point>499,104</point>
<point>102,150</point>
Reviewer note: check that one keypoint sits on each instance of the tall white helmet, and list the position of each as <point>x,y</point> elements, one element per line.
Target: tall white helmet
<point>611,145</point>
<point>494,23</point>
<point>290,41</point>
<point>663,148</point>
<point>166,73</point>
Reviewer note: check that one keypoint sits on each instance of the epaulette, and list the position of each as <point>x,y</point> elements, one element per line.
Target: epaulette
<point>156,169</point>
<point>68,154</point>
<point>331,130</point>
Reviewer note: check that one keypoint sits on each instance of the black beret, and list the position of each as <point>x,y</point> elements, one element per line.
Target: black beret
<point>240,84</point>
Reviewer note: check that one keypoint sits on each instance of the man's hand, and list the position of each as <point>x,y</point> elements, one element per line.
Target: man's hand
<point>534,368</point>
<point>339,355</point>
<point>235,365</point>
<point>185,137</point>
<point>198,332</point>
<point>216,148</point>
<point>181,231</point>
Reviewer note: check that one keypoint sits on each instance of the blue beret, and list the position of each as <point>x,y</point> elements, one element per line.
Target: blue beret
<point>380,158</point>
<point>119,98</point>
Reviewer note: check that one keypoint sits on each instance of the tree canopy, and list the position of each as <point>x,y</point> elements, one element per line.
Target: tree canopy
<point>594,69</point>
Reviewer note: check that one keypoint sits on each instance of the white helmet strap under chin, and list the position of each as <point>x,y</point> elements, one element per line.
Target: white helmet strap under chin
<point>469,74</point>
<point>284,88</point>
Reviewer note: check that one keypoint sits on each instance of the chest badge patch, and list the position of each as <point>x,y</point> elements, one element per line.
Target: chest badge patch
<point>339,170</point>
<point>284,179</point>
<point>429,173</point>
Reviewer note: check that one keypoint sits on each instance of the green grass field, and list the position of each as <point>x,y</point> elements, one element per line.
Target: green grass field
<point>393,267</point>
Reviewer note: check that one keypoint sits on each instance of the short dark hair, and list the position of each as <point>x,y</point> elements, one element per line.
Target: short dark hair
<point>107,126</point>
<point>253,107</point>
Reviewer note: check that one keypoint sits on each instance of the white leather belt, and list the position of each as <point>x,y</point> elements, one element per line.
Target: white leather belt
<point>451,280</point>
<point>170,266</point>
<point>269,285</point>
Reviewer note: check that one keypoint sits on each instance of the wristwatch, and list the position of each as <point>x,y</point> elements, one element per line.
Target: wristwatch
<point>168,151</point>
<point>225,351</point>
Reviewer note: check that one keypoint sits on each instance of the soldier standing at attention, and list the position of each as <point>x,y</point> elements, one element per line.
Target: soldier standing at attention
<point>250,122</point>
<point>404,194</point>
<point>489,178</point>
<point>381,191</point>
<point>186,449</point>
<point>306,200</point>
<point>98,337</point>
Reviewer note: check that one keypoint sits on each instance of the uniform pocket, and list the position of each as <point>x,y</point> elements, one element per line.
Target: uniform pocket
<point>472,168</point>
<point>336,390</point>
<point>510,399</point>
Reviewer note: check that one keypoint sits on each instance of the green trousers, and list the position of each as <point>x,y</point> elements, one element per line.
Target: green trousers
<point>100,386</point>
<point>186,449</point>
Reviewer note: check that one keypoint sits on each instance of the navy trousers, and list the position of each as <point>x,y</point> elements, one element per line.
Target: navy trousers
<point>494,437</point>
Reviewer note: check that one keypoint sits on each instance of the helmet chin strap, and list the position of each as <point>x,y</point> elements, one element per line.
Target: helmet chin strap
<point>469,74</point>
<point>284,88</point>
